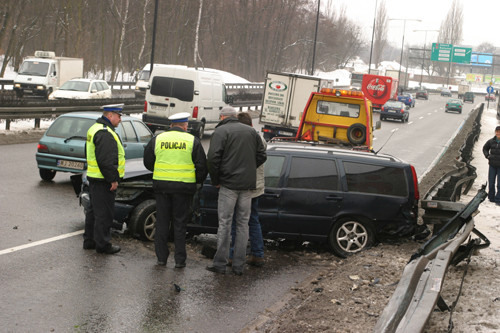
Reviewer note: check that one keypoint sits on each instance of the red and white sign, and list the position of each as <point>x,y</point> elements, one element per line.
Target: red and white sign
<point>377,88</point>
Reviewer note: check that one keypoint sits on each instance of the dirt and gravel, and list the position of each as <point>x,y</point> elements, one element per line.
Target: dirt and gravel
<point>348,295</point>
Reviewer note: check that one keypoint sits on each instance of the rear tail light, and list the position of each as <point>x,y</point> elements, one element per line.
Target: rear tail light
<point>382,109</point>
<point>42,148</point>
<point>145,106</point>
<point>415,183</point>
<point>195,112</point>
<point>267,130</point>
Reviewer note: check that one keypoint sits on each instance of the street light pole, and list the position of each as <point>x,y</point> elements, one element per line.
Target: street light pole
<point>315,37</point>
<point>373,33</point>
<point>402,44</point>
<point>423,58</point>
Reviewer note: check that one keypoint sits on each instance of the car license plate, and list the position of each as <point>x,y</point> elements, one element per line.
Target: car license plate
<point>159,108</point>
<point>71,164</point>
<point>285,133</point>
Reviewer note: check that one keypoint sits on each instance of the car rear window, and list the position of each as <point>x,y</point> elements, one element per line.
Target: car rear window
<point>64,127</point>
<point>318,174</point>
<point>338,109</point>
<point>173,87</point>
<point>375,179</point>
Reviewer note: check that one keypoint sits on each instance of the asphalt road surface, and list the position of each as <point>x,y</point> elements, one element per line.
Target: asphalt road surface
<point>49,283</point>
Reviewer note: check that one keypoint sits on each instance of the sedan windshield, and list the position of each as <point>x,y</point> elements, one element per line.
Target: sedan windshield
<point>75,86</point>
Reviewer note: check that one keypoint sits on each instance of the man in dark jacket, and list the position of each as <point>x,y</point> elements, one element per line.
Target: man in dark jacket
<point>178,162</point>
<point>105,167</point>
<point>491,151</point>
<point>235,152</point>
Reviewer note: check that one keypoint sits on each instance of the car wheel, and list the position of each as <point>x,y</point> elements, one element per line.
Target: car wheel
<point>356,133</point>
<point>47,174</point>
<point>201,131</point>
<point>350,235</point>
<point>143,219</point>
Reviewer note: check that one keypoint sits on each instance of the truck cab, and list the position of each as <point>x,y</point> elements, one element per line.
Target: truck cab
<point>338,116</point>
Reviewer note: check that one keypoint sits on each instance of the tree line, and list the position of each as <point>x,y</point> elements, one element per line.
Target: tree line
<point>244,37</point>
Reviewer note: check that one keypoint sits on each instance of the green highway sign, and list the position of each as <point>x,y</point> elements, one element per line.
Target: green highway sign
<point>450,53</point>
<point>461,55</point>
<point>441,52</point>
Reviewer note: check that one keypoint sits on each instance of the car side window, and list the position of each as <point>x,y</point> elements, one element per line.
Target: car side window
<point>143,133</point>
<point>320,174</point>
<point>128,132</point>
<point>272,170</point>
<point>94,87</point>
<point>376,179</point>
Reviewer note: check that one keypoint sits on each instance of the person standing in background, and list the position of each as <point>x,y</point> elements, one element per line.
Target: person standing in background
<point>491,151</point>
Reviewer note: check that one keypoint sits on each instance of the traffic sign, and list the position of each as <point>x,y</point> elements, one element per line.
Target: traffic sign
<point>450,53</point>
<point>441,52</point>
<point>461,55</point>
<point>490,89</point>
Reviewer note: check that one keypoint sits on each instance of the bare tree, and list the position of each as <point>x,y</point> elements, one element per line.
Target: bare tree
<point>451,31</point>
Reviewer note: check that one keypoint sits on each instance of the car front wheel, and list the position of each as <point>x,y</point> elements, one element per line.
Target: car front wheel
<point>350,235</point>
<point>47,174</point>
<point>143,220</point>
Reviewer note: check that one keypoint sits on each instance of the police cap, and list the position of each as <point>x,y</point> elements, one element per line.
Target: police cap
<point>116,108</point>
<point>180,117</point>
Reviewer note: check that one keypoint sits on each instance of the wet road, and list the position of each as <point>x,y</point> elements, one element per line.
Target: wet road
<point>52,284</point>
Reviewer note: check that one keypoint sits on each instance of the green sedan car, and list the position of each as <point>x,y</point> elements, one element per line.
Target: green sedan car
<point>62,147</point>
<point>454,105</point>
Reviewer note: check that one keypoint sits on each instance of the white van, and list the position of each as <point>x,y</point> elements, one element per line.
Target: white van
<point>142,81</point>
<point>175,88</point>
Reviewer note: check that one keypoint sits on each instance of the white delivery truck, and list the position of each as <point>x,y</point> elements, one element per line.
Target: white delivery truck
<point>44,73</point>
<point>176,88</point>
<point>142,81</point>
<point>462,89</point>
<point>285,97</point>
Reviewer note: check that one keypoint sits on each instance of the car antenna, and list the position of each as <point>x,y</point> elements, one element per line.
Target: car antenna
<point>390,136</point>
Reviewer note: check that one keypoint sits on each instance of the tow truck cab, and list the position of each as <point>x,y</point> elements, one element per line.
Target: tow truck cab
<point>338,116</point>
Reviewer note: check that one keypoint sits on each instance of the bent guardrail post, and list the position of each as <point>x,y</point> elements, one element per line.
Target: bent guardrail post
<point>418,290</point>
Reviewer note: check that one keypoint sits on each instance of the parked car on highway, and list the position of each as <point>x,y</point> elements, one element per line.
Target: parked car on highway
<point>82,89</point>
<point>62,146</point>
<point>469,97</point>
<point>407,98</point>
<point>454,104</point>
<point>422,94</point>
<point>490,97</point>
<point>446,92</point>
<point>395,110</point>
<point>347,199</point>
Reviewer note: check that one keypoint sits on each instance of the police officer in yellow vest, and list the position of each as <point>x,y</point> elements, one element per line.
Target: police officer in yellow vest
<point>179,164</point>
<point>105,167</point>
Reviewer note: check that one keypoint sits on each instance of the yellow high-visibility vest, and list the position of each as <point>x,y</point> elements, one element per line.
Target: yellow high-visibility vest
<point>174,161</point>
<point>92,166</point>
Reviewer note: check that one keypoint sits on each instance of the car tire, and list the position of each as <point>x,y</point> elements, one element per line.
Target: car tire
<point>350,235</point>
<point>142,220</point>
<point>201,131</point>
<point>47,174</point>
<point>356,133</point>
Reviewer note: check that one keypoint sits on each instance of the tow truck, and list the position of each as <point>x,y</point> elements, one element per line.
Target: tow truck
<point>338,116</point>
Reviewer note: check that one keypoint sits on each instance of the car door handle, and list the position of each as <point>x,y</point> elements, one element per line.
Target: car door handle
<point>334,198</point>
<point>172,105</point>
<point>272,195</point>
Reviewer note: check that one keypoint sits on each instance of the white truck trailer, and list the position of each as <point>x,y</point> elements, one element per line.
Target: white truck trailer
<point>462,89</point>
<point>285,97</point>
<point>44,73</point>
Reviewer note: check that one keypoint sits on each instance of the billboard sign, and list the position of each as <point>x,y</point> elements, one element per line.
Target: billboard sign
<point>481,59</point>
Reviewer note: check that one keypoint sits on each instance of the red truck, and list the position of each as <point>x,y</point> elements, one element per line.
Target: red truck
<point>379,89</point>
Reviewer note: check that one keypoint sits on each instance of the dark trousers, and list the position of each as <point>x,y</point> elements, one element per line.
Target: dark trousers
<point>99,217</point>
<point>175,208</point>
<point>494,190</point>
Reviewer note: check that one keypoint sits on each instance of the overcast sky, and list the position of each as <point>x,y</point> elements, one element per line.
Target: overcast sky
<point>481,19</point>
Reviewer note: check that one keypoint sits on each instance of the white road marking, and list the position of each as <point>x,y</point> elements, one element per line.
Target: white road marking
<point>421,118</point>
<point>41,242</point>
<point>411,122</point>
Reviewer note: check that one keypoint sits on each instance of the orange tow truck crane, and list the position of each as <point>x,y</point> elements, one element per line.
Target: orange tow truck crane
<point>338,116</point>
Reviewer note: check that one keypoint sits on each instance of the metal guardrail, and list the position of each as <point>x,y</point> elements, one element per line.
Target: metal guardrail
<point>419,289</point>
<point>116,85</point>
